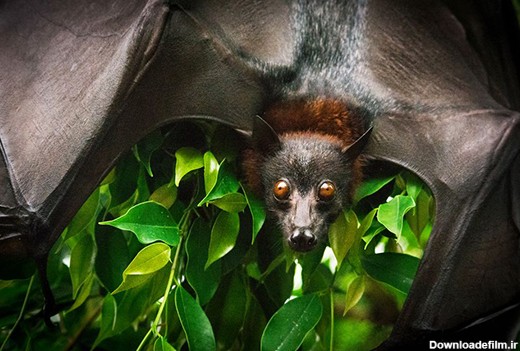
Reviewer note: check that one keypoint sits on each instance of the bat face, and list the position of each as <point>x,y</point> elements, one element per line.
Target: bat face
<point>305,177</point>
<point>306,183</point>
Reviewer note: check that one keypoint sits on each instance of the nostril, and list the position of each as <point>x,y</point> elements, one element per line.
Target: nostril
<point>302,239</point>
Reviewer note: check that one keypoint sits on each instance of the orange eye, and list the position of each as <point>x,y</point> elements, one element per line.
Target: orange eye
<point>326,191</point>
<point>281,190</point>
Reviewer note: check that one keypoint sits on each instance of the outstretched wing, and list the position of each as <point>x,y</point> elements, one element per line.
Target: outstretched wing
<point>80,84</point>
<point>459,134</point>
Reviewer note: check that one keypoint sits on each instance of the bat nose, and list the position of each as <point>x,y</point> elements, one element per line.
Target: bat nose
<point>302,239</point>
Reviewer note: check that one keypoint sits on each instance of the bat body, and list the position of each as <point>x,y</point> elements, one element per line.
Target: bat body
<point>438,81</point>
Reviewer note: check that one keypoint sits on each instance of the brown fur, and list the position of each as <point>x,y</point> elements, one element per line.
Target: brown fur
<point>327,118</point>
<point>321,116</point>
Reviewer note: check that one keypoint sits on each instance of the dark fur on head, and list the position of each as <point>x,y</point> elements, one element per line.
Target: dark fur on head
<point>305,160</point>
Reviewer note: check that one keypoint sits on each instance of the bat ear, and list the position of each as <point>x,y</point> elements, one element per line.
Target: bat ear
<point>264,137</point>
<point>354,150</point>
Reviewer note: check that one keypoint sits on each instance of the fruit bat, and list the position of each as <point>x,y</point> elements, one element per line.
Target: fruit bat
<point>83,81</point>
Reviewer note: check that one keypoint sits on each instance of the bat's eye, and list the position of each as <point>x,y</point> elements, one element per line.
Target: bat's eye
<point>281,190</point>
<point>326,191</point>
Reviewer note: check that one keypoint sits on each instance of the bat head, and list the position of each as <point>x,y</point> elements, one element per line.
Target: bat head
<point>307,178</point>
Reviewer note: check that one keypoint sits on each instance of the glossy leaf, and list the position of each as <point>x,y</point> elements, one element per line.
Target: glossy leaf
<point>420,215</point>
<point>256,208</point>
<point>161,344</point>
<point>150,222</point>
<point>226,183</point>
<point>187,159</point>
<point>85,217</point>
<point>366,223</point>
<point>194,321</point>
<point>145,149</point>
<point>397,270</point>
<point>233,202</point>
<point>342,234</point>
<point>223,236</point>
<point>372,232</point>
<point>81,262</point>
<point>391,214</point>
<point>371,186</point>
<point>287,328</point>
<point>112,257</point>
<point>354,292</point>
<point>211,170</point>
<point>413,184</point>
<point>165,195</point>
<point>84,291</point>
<point>203,281</point>
<point>108,319</point>
<point>227,310</point>
<point>148,261</point>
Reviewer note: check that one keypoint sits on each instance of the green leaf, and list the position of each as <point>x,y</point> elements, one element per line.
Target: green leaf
<point>161,344</point>
<point>211,168</point>
<point>82,259</point>
<point>226,183</point>
<point>309,263</point>
<point>354,292</point>
<point>342,234</point>
<point>408,241</point>
<point>125,308</point>
<point>165,195</point>
<point>108,319</point>
<point>391,213</point>
<point>147,261</point>
<point>144,150</point>
<point>85,218</point>
<point>287,328</point>
<point>227,310</point>
<point>420,215</point>
<point>188,159</point>
<point>371,186</point>
<point>397,270</point>
<point>112,257</point>
<point>223,236</point>
<point>84,291</point>
<point>366,223</point>
<point>203,281</point>
<point>413,184</point>
<point>140,193</point>
<point>150,222</point>
<point>372,232</point>
<point>195,324</point>
<point>233,202</point>
<point>256,207</point>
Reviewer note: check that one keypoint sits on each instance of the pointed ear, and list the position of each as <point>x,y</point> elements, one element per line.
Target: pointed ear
<point>264,137</point>
<point>354,150</point>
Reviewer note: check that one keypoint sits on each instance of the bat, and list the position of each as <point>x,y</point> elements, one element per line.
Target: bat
<point>306,177</point>
<point>437,80</point>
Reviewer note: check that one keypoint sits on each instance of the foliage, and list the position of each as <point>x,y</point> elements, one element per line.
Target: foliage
<point>172,252</point>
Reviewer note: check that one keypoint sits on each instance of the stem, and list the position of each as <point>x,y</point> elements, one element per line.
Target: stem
<point>20,316</point>
<point>144,339</point>
<point>331,345</point>
<point>171,279</point>
<point>183,223</point>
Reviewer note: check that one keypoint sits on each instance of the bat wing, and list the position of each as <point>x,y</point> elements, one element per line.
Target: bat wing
<point>80,86</point>
<point>459,134</point>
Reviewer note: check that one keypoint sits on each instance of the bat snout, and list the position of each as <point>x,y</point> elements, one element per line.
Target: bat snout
<point>302,239</point>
